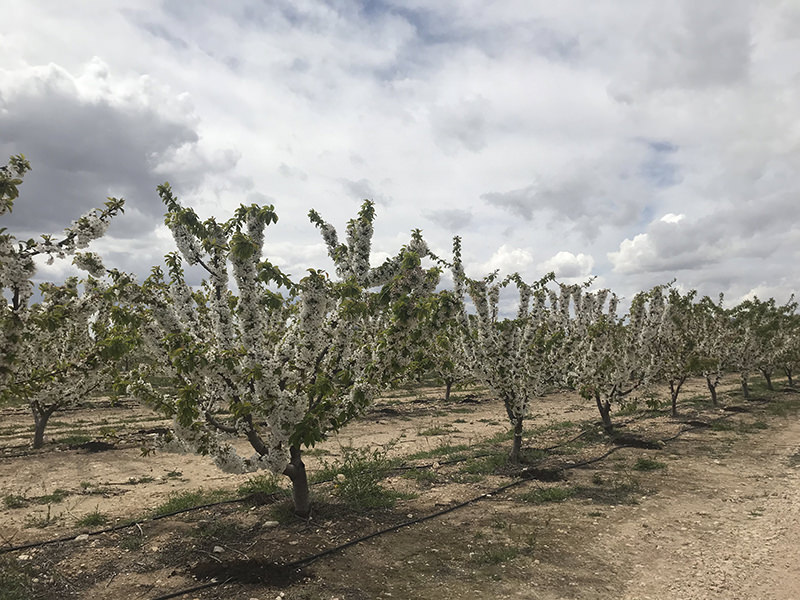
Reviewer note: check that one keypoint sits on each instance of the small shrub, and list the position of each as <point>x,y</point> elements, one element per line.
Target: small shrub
<point>265,483</point>
<point>358,478</point>
<point>93,519</point>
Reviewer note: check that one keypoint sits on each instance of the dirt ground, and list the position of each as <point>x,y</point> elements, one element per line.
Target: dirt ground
<point>709,509</point>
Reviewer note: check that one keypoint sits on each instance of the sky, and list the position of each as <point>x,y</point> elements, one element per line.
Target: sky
<point>635,141</point>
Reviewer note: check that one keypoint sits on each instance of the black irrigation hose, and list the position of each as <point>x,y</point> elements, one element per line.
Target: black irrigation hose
<point>314,557</point>
<point>121,525</point>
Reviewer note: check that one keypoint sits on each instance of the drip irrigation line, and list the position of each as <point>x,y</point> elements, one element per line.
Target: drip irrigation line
<point>121,525</point>
<point>191,590</point>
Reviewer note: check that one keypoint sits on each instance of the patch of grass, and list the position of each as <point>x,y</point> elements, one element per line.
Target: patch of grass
<point>723,425</point>
<point>728,425</point>
<point>14,501</point>
<point>93,519</point>
<point>266,483</point>
<point>189,499</point>
<point>438,429</point>
<point>76,439</point>
<point>545,495</point>
<point>648,464</point>
<point>174,474</point>
<point>448,450</point>
<point>421,476</point>
<point>495,555</point>
<point>614,489</point>
<point>502,436</point>
<point>56,496</point>
<point>783,407</point>
<point>485,465</point>
<point>459,421</point>
<point>358,479</point>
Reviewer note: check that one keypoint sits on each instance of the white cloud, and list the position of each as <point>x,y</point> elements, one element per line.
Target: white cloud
<point>507,260</point>
<point>568,265</point>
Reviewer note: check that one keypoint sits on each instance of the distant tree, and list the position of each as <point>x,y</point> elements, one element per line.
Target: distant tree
<point>613,356</point>
<point>679,351</point>
<point>58,350</point>
<point>513,357</point>
<point>757,342</point>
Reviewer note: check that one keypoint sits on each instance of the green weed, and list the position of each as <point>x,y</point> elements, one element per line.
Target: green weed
<point>545,495</point>
<point>93,519</point>
<point>648,464</point>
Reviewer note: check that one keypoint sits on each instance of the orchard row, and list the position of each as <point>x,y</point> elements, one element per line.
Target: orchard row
<point>251,355</point>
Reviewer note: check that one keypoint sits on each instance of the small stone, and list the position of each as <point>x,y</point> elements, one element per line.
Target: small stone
<point>24,557</point>
<point>218,549</point>
<point>82,537</point>
<point>269,524</point>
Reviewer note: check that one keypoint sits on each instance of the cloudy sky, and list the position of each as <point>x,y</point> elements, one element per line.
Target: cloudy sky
<point>634,140</point>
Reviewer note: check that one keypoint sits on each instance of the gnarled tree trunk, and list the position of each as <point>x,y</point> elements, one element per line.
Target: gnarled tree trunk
<point>604,406</point>
<point>296,472</point>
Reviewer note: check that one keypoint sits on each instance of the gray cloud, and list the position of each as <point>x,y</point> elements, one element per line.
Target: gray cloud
<point>451,219</point>
<point>463,125</point>
<point>363,189</point>
<point>86,144</point>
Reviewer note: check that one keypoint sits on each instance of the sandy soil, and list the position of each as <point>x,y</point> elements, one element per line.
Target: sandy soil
<point>717,518</point>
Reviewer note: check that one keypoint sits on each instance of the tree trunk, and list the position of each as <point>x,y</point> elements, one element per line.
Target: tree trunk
<point>296,472</point>
<point>40,418</point>
<point>768,377</point>
<point>517,445</point>
<point>788,372</point>
<point>674,390</point>
<point>712,387</point>
<point>745,387</point>
<point>604,406</point>
<point>448,386</point>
